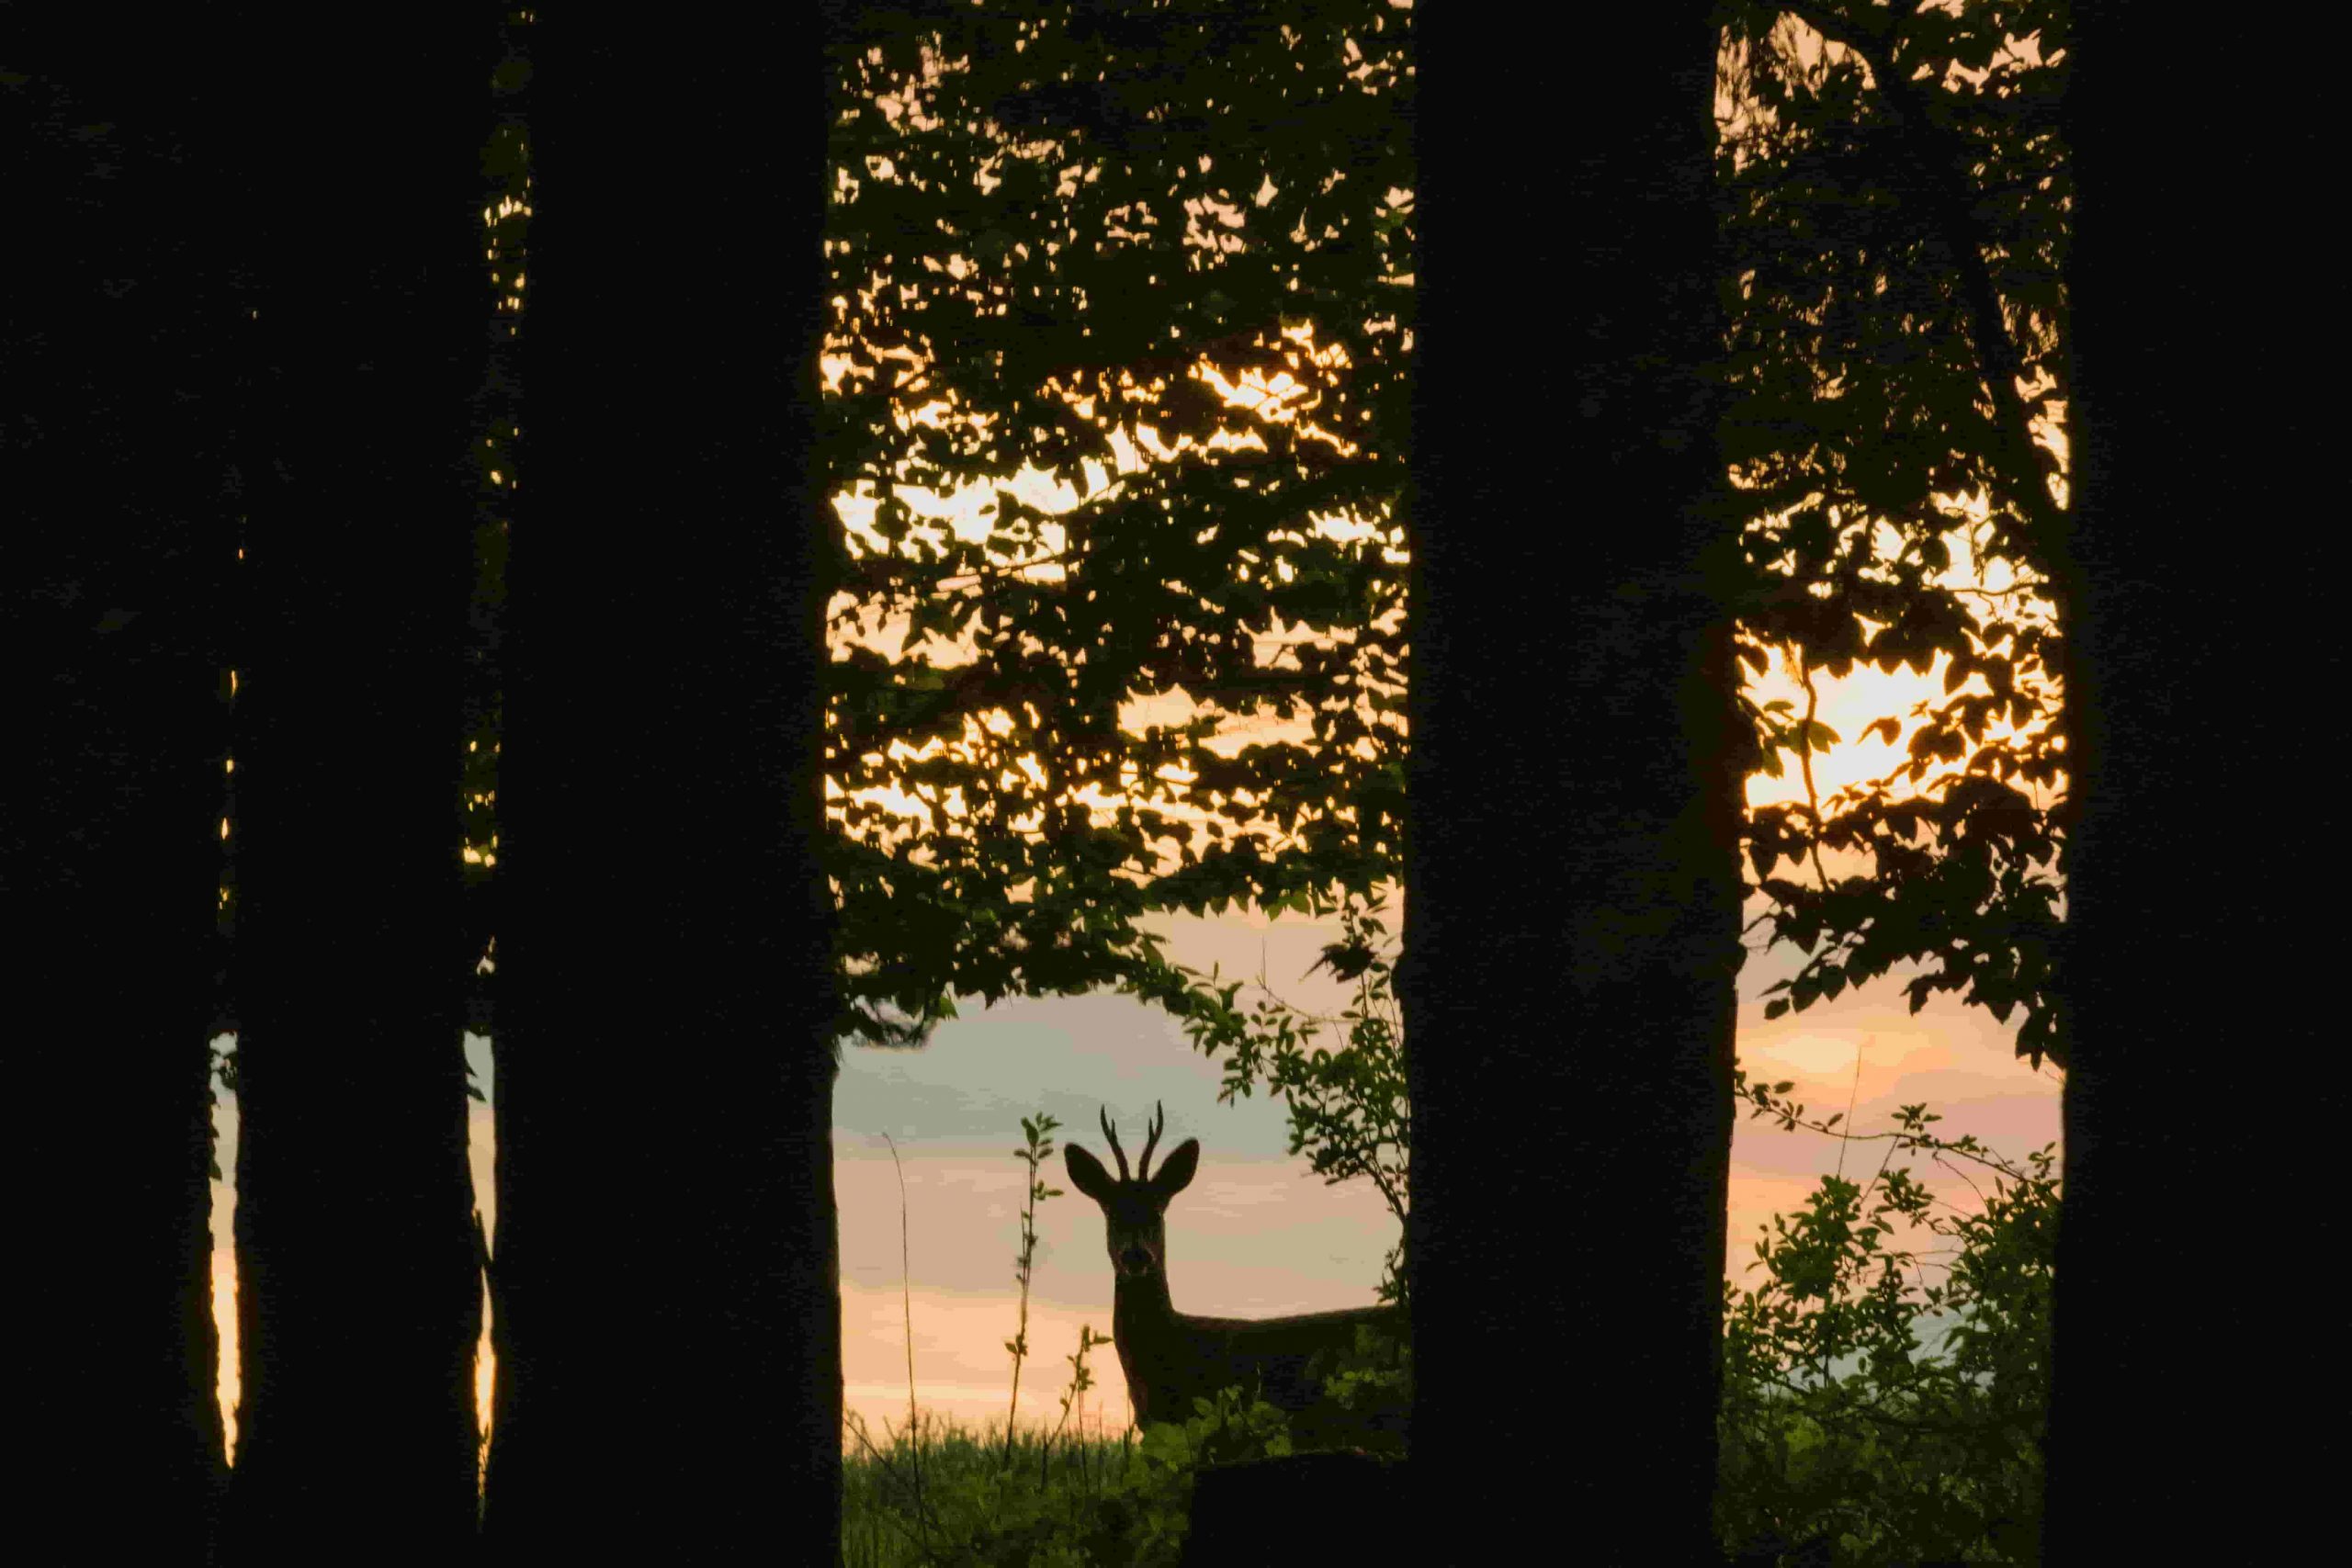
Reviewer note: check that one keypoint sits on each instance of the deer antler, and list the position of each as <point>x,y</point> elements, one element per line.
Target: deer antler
<point>1159,1120</point>
<point>1111,1131</point>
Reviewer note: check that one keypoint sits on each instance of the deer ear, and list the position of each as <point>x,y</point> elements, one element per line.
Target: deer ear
<point>1176,1172</point>
<point>1086,1172</point>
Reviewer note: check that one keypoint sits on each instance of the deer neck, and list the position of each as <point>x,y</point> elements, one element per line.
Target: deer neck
<point>1140,1300</point>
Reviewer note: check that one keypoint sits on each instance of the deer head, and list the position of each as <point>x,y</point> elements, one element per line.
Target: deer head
<point>1134,1208</point>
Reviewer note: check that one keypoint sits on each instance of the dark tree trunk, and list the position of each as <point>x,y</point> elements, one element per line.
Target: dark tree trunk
<point>2203,652</point>
<point>115,429</point>
<point>358,1300</point>
<point>1572,876</point>
<point>669,1331</point>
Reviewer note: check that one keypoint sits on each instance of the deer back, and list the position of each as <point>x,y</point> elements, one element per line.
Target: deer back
<point>1191,1358</point>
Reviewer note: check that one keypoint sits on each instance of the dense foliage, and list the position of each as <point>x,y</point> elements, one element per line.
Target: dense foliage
<point>1894,204</point>
<point>1160,254</point>
<point>1839,1419</point>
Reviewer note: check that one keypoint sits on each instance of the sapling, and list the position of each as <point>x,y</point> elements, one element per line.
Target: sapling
<point>1080,1380</point>
<point>1039,1133</point>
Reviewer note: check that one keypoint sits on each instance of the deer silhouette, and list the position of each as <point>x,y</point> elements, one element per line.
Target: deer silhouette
<point>1171,1357</point>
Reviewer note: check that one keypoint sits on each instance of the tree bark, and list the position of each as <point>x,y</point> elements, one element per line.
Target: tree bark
<point>358,1288</point>
<point>668,1332</point>
<point>2191,595</point>
<point>1572,922</point>
<point>115,435</point>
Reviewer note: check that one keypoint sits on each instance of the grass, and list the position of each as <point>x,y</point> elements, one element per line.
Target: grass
<point>949,1493</point>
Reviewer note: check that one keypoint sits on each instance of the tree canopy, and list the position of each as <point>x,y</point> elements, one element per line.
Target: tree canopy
<point>1163,258</point>
<point>1894,213</point>
<point>1068,237</point>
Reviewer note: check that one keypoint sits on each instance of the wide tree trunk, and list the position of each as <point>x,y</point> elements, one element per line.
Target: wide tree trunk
<point>669,1325</point>
<point>115,428</point>
<point>1572,912</point>
<point>359,1289</point>
<point>2203,652</point>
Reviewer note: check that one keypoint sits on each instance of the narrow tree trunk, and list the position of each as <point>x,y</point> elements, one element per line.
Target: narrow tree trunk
<point>115,427</point>
<point>1572,878</point>
<point>358,1287</point>
<point>669,1333</point>
<point>2203,652</point>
